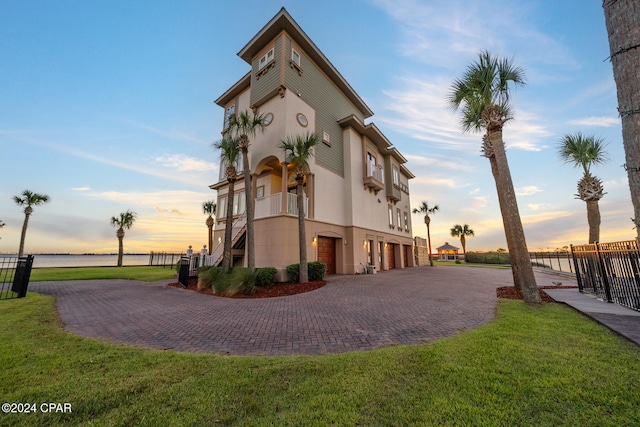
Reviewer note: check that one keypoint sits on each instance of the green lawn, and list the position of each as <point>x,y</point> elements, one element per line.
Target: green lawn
<point>145,273</point>
<point>543,366</point>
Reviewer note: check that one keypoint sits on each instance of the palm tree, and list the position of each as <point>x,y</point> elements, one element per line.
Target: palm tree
<point>125,220</point>
<point>229,153</point>
<point>585,151</point>
<point>622,19</point>
<point>2,224</point>
<point>209,208</point>
<point>483,95</point>
<point>28,199</point>
<point>298,151</point>
<point>243,126</point>
<point>462,231</point>
<point>426,211</point>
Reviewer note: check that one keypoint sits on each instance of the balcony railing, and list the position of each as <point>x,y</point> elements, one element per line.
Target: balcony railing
<point>272,205</point>
<point>375,178</point>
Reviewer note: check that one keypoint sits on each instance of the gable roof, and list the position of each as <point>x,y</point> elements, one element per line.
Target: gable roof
<point>447,247</point>
<point>284,22</point>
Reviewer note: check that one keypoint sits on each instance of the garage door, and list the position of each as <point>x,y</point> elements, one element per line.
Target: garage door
<point>327,253</point>
<point>391,255</point>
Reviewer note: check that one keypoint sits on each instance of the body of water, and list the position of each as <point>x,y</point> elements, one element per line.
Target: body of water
<point>87,260</point>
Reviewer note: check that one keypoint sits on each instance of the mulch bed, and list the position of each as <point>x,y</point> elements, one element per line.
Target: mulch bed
<point>510,292</point>
<point>277,290</point>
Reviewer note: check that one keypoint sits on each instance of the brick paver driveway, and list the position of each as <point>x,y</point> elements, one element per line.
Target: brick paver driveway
<point>350,313</point>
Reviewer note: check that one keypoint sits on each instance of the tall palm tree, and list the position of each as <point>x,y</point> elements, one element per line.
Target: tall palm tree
<point>298,151</point>
<point>2,224</point>
<point>426,211</point>
<point>621,18</point>
<point>462,231</point>
<point>585,151</point>
<point>242,126</point>
<point>229,153</point>
<point>483,95</point>
<point>209,208</point>
<point>125,220</point>
<point>28,199</point>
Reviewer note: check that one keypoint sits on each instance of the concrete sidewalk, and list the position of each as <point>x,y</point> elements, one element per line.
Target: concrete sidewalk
<point>620,319</point>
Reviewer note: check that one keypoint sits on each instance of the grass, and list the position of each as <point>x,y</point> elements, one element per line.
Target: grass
<point>144,273</point>
<point>542,366</point>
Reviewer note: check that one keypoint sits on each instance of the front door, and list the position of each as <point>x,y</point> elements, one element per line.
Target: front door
<point>391,255</point>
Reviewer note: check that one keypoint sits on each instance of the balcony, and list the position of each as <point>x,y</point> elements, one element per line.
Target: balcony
<point>375,178</point>
<point>272,206</point>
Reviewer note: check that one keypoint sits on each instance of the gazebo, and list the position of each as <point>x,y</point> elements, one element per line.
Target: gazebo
<point>447,252</point>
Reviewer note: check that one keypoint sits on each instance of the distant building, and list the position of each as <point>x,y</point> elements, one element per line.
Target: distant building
<point>357,192</point>
<point>447,252</point>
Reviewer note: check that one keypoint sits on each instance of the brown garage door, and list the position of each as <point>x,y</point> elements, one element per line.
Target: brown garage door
<point>391,255</point>
<point>408,253</point>
<point>327,253</point>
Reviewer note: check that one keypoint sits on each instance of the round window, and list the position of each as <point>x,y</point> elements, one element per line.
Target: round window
<point>268,118</point>
<point>302,120</point>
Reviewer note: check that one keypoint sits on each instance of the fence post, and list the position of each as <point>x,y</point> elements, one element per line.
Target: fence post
<point>603,270</point>
<point>575,263</point>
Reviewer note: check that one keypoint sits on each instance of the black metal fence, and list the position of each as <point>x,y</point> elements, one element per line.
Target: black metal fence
<point>556,260</point>
<point>14,276</point>
<point>164,259</point>
<point>610,271</point>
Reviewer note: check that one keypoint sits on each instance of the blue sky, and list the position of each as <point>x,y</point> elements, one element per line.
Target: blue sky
<point>108,105</point>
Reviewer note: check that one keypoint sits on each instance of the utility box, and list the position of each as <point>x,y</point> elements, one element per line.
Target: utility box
<point>371,269</point>
<point>22,275</point>
<point>183,274</point>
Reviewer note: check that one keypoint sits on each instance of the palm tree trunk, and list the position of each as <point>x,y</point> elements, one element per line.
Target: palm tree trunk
<point>622,18</point>
<point>302,235</point>
<point>120,235</point>
<point>518,253</point>
<point>210,238</point>
<point>517,279</point>
<point>23,235</point>
<point>248,191</point>
<point>463,242</point>
<point>593,218</point>
<point>228,229</point>
<point>427,221</point>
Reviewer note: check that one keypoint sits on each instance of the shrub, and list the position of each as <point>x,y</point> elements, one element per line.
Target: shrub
<point>458,261</point>
<point>207,277</point>
<point>316,269</point>
<point>293,273</point>
<point>487,258</point>
<point>266,276</point>
<point>238,280</point>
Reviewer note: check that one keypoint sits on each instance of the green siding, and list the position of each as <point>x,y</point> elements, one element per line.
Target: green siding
<point>269,81</point>
<point>330,105</point>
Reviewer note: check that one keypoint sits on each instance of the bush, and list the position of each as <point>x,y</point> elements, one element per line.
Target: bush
<point>266,277</point>
<point>207,277</point>
<point>316,269</point>
<point>487,258</point>
<point>238,280</point>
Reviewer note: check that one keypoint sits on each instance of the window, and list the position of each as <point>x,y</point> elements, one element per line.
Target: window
<point>399,220</point>
<point>371,165</point>
<point>326,139</point>
<point>406,222</point>
<point>260,192</point>
<point>265,59</point>
<point>223,167</point>
<point>227,114</point>
<point>295,57</point>
<point>390,216</point>
<point>396,177</point>
<point>238,203</point>
<point>222,207</point>
<point>369,254</point>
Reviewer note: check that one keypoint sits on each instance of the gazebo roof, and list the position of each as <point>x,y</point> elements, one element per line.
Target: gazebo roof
<point>447,247</point>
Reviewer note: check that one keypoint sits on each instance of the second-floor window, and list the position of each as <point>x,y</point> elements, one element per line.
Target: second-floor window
<point>396,177</point>
<point>406,222</point>
<point>228,113</point>
<point>399,220</point>
<point>223,167</point>
<point>390,216</point>
<point>295,57</point>
<point>265,59</point>
<point>373,168</point>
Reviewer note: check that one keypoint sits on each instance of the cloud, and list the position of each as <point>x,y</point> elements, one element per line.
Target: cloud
<point>170,211</point>
<point>528,190</point>
<point>169,134</point>
<point>85,188</point>
<point>538,206</point>
<point>182,162</point>
<point>596,121</point>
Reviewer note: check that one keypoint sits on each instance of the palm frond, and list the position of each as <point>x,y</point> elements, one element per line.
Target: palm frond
<point>584,151</point>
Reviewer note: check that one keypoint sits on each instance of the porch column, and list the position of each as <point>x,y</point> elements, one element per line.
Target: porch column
<point>284,208</point>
